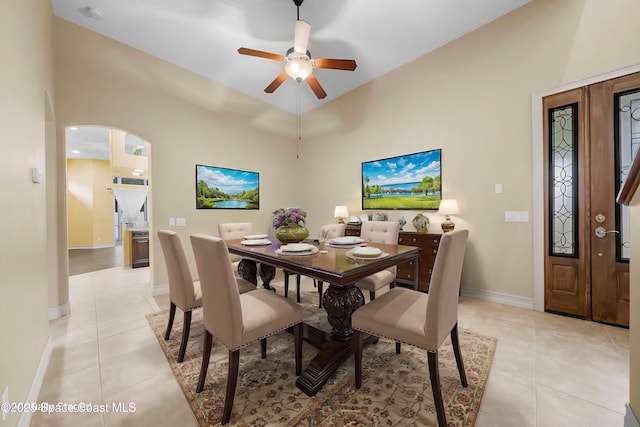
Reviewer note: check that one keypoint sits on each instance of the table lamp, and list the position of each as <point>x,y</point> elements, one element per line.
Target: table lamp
<point>448,207</point>
<point>341,212</point>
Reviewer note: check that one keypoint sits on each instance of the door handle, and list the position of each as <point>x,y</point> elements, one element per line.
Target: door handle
<point>601,232</point>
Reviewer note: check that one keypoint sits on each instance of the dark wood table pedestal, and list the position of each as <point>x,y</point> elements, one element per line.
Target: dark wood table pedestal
<point>248,270</point>
<point>335,347</point>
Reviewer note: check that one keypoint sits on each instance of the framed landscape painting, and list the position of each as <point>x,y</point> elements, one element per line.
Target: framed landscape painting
<point>222,188</point>
<point>410,181</point>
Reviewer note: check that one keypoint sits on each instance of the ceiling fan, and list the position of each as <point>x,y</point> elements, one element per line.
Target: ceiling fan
<point>299,65</point>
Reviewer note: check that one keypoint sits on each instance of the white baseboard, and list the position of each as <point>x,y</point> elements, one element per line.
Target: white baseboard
<point>159,290</point>
<point>155,291</point>
<point>34,391</point>
<point>59,311</point>
<point>630,419</point>
<point>498,297</point>
<point>109,245</point>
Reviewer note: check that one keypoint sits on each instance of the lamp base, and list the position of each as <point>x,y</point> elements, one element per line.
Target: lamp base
<point>447,225</point>
<point>340,220</point>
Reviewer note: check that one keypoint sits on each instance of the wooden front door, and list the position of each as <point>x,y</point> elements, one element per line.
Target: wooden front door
<point>591,136</point>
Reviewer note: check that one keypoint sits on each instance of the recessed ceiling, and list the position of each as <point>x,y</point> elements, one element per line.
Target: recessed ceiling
<point>203,36</point>
<point>93,142</point>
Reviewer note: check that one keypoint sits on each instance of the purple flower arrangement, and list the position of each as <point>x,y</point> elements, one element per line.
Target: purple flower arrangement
<point>289,216</point>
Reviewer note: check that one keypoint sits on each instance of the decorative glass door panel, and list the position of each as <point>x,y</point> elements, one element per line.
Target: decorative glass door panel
<point>627,136</point>
<point>564,187</point>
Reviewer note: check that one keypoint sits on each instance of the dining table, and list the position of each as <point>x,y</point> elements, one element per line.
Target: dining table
<point>335,265</point>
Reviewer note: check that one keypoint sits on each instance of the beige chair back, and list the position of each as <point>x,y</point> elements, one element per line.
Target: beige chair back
<point>385,232</point>
<point>222,313</point>
<point>442,307</point>
<point>234,230</point>
<point>181,289</point>
<point>331,231</point>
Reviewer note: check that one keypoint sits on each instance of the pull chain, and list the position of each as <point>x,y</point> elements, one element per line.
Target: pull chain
<point>298,133</point>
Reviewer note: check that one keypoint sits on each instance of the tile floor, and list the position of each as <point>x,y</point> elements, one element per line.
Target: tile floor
<point>548,370</point>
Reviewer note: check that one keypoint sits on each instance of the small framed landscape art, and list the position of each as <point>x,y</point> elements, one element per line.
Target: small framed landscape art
<point>410,181</point>
<point>222,188</point>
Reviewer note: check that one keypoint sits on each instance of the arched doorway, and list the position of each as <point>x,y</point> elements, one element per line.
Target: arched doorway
<point>104,167</point>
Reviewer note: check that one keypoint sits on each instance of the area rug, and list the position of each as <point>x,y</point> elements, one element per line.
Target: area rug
<point>396,389</point>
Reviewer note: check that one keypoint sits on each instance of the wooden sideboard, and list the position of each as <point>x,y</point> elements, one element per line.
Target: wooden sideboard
<point>427,242</point>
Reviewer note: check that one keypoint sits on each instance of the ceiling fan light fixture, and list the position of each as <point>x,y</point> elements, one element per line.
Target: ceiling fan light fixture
<point>298,68</point>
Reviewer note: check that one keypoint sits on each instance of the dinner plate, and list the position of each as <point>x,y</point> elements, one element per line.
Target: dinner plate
<point>255,236</point>
<point>311,251</point>
<point>366,252</point>
<point>366,258</point>
<point>346,240</point>
<point>256,242</point>
<point>296,247</point>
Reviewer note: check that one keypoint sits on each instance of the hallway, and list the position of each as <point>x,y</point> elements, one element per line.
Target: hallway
<point>88,260</point>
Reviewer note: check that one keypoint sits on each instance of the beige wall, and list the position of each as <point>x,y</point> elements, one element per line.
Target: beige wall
<point>472,98</point>
<point>25,84</point>
<point>187,119</point>
<point>89,203</point>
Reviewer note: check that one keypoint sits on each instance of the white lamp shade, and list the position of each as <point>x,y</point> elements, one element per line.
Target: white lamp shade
<point>341,212</point>
<point>448,207</point>
<point>298,69</point>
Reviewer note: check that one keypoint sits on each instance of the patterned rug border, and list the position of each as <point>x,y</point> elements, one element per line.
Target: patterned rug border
<point>338,397</point>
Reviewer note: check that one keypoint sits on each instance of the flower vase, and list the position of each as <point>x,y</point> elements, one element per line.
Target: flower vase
<point>291,233</point>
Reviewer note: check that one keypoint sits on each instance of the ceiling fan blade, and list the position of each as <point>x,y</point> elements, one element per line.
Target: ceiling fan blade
<point>275,84</point>
<point>301,37</point>
<point>315,86</point>
<point>260,53</point>
<point>336,64</point>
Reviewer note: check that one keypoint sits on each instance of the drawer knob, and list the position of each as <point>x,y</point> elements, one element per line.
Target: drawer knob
<point>414,240</point>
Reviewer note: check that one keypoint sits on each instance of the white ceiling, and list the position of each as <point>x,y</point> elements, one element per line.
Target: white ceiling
<point>203,36</point>
<point>92,142</point>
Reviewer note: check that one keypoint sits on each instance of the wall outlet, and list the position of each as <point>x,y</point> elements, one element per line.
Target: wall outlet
<point>5,403</point>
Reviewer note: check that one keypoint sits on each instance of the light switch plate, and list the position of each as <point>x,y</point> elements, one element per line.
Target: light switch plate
<point>36,175</point>
<point>516,216</point>
<point>172,222</point>
<point>181,222</point>
<point>498,188</point>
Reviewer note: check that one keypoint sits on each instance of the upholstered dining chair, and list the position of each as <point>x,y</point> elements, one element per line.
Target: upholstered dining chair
<point>234,230</point>
<point>235,319</point>
<point>385,232</point>
<point>184,292</point>
<point>327,231</point>
<point>418,319</point>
